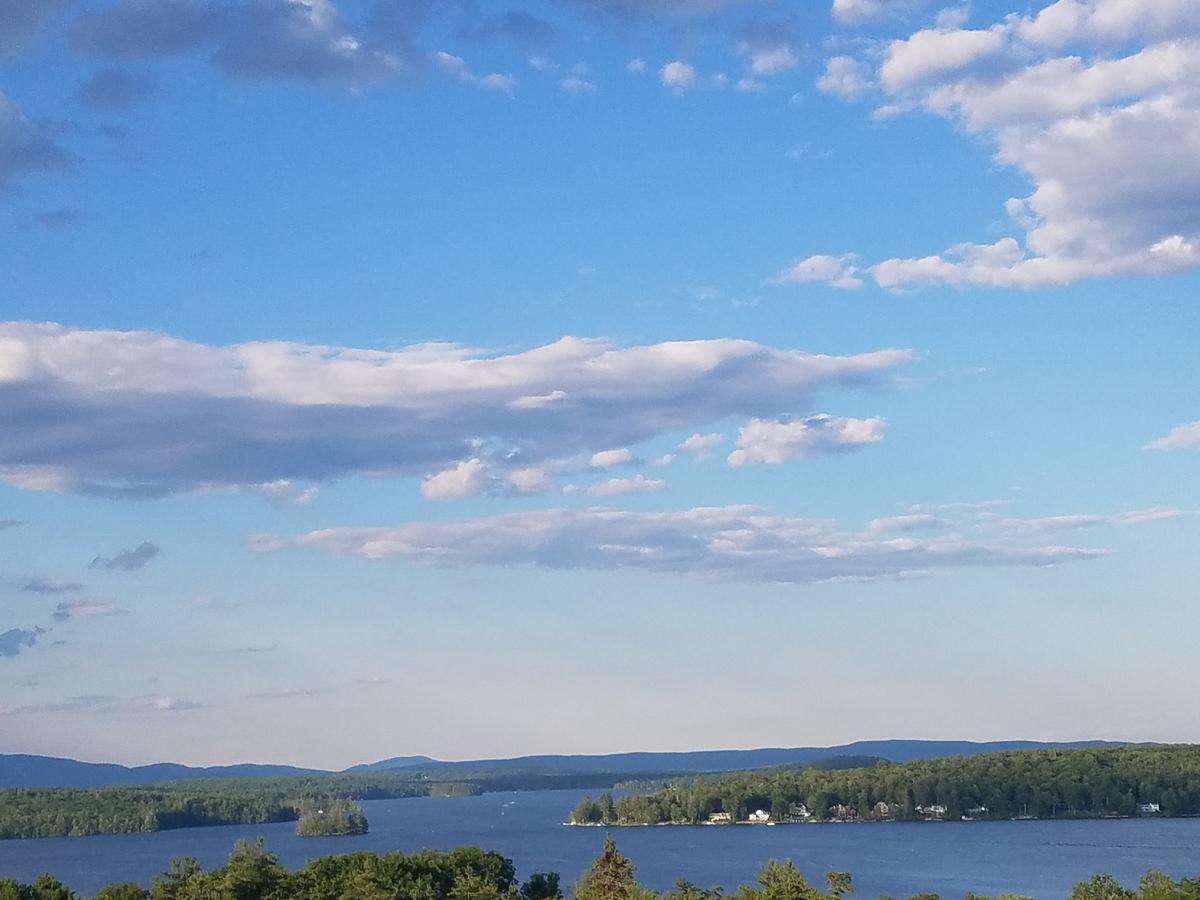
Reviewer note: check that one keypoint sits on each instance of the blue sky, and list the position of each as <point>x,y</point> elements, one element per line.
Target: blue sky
<point>478,379</point>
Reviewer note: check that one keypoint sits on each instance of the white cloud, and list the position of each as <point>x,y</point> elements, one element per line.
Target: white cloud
<point>457,67</point>
<point>615,487</point>
<point>678,75</point>
<point>735,543</point>
<point>701,445</point>
<point>836,271</point>
<point>636,65</point>
<point>845,77</point>
<point>531,480</point>
<point>1181,437</point>
<point>606,459</point>
<point>575,84</point>
<point>1092,520</point>
<point>771,443</point>
<point>771,60</point>
<point>936,52</point>
<point>285,493</point>
<point>137,414</point>
<point>1107,135</point>
<point>461,480</point>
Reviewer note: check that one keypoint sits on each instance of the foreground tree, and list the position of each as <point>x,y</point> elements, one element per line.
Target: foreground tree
<point>610,878</point>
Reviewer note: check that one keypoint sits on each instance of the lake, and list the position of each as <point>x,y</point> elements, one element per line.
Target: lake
<point>1037,858</point>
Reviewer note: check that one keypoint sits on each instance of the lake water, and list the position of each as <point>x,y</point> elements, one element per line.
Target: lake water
<point>1038,859</point>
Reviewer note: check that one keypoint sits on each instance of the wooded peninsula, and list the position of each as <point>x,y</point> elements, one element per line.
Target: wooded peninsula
<point>62,812</point>
<point>1160,780</point>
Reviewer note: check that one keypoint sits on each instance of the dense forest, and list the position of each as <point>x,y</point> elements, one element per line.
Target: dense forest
<point>1084,783</point>
<point>58,812</point>
<point>253,873</point>
<point>331,817</point>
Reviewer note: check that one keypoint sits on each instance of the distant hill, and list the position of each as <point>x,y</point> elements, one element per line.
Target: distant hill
<point>20,770</point>
<point>731,760</point>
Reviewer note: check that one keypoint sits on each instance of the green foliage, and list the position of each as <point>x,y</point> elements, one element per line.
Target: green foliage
<point>1074,783</point>
<point>610,878</point>
<point>334,816</point>
<point>541,886</point>
<point>124,891</point>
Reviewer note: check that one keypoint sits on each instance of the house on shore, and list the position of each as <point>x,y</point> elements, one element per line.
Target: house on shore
<point>933,811</point>
<point>799,811</point>
<point>720,818</point>
<point>843,813</point>
<point>759,817</point>
<point>1149,808</point>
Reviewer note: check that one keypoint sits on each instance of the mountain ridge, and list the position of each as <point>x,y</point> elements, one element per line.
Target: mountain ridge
<point>29,770</point>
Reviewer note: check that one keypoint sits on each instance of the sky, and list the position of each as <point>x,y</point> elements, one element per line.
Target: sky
<point>476,379</point>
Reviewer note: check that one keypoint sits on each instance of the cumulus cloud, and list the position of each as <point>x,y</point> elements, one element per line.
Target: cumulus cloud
<point>678,74</point>
<point>615,487</point>
<point>135,414</point>
<point>774,442</point>
<point>845,77</point>
<point>1181,437</point>
<point>699,446</point>
<point>27,147</point>
<point>85,609</point>
<point>576,84</point>
<point>1106,134</point>
<point>15,640</point>
<point>50,586</point>
<point>461,480</point>
<point>127,560</point>
<point>735,543</point>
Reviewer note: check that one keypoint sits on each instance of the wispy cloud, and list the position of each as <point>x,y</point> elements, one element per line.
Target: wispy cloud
<point>127,560</point>
<point>85,609</point>
<point>737,543</point>
<point>49,586</point>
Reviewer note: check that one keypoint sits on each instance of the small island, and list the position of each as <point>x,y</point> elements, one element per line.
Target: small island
<point>336,816</point>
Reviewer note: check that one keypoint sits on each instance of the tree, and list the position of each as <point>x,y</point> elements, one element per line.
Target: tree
<point>541,886</point>
<point>840,883</point>
<point>610,877</point>
<point>586,812</point>
<point>125,891</point>
<point>1101,887</point>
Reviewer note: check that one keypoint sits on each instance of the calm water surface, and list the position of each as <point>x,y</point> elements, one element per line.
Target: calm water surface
<point>1039,859</point>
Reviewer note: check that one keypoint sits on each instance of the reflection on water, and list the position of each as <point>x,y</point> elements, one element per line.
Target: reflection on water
<point>1040,859</point>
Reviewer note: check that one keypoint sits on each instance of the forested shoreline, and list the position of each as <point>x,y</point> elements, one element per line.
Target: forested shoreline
<point>469,873</point>
<point>1159,780</point>
<point>127,809</point>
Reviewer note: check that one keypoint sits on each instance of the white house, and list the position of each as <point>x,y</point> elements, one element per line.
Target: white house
<point>1148,808</point>
<point>720,818</point>
<point>933,811</point>
<point>760,817</point>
